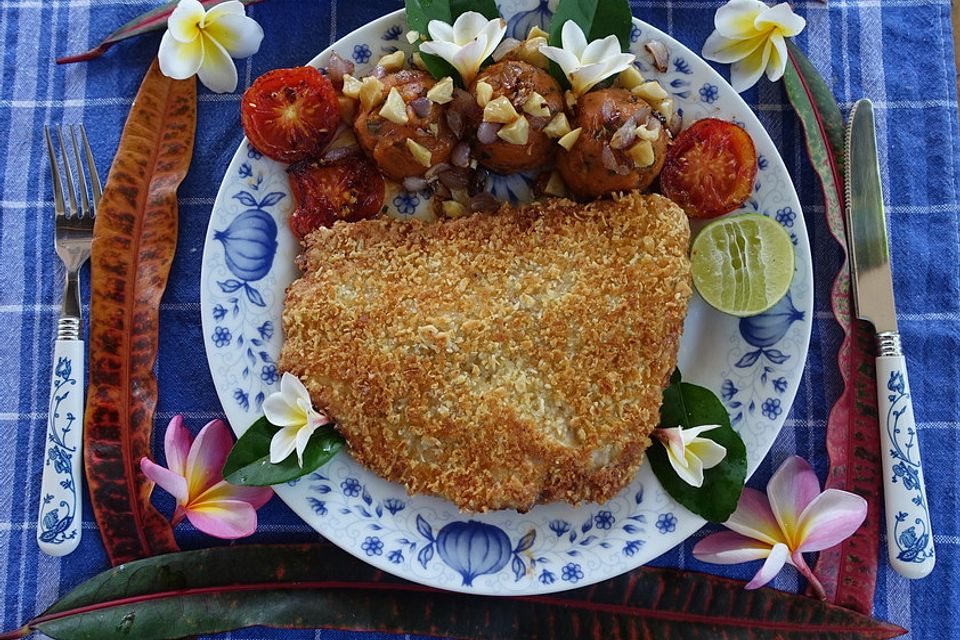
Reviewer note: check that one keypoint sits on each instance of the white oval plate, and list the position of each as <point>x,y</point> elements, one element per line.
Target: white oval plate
<point>753,365</point>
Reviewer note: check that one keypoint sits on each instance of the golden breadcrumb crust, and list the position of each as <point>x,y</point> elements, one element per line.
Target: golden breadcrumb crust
<point>499,360</point>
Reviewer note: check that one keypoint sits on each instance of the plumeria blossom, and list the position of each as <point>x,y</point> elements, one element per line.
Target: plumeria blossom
<point>587,64</point>
<point>194,477</point>
<point>690,454</point>
<point>793,518</point>
<point>202,42</point>
<point>751,36</point>
<point>291,409</point>
<point>471,40</point>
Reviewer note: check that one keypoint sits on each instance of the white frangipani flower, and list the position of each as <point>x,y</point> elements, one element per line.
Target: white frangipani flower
<point>587,64</point>
<point>752,37</point>
<point>466,44</point>
<point>291,409</point>
<point>689,454</point>
<point>202,42</point>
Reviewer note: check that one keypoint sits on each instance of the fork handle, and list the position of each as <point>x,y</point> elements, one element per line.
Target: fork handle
<point>909,535</point>
<point>59,520</point>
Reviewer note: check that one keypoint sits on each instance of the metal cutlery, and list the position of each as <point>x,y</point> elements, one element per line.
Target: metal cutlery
<point>909,534</point>
<point>59,520</point>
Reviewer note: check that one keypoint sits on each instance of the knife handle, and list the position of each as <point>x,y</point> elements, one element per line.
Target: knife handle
<point>909,534</point>
<point>58,523</point>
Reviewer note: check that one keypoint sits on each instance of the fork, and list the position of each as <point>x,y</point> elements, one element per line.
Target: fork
<point>59,520</point>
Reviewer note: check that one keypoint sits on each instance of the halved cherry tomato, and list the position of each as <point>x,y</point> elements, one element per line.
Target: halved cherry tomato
<point>347,188</point>
<point>710,168</point>
<point>290,114</point>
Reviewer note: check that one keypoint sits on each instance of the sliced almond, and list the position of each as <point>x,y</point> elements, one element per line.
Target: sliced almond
<point>393,61</point>
<point>351,86</point>
<point>395,109</point>
<point>570,139</point>
<point>645,133</point>
<point>418,61</point>
<point>642,153</point>
<point>555,185</point>
<point>442,92</point>
<point>500,110</point>
<point>529,52</point>
<point>371,92</point>
<point>348,108</point>
<point>517,132</point>
<point>412,36</point>
<point>420,153</point>
<point>484,93</point>
<point>536,105</point>
<point>558,127</point>
<point>453,209</point>
<point>666,109</point>
<point>630,78</point>
<point>651,91</point>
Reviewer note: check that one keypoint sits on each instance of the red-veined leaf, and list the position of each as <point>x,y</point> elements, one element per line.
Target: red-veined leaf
<point>150,21</point>
<point>848,571</point>
<point>311,586</point>
<point>134,240</point>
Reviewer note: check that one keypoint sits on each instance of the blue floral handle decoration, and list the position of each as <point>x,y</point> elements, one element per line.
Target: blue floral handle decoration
<point>909,534</point>
<point>58,525</point>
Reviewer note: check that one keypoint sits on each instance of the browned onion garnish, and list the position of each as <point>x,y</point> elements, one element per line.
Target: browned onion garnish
<point>505,47</point>
<point>659,54</point>
<point>484,201</point>
<point>460,156</point>
<point>455,122</point>
<point>435,171</point>
<point>653,123</point>
<point>340,152</point>
<point>336,67</point>
<point>610,162</point>
<point>487,132</point>
<point>607,110</point>
<point>455,179</point>
<point>624,136</point>
<point>676,123</point>
<point>414,184</point>
<point>421,106</point>
<point>459,111</point>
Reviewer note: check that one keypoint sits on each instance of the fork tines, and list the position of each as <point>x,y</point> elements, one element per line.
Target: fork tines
<point>88,200</point>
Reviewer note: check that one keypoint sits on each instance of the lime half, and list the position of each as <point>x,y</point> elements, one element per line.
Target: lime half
<point>742,265</point>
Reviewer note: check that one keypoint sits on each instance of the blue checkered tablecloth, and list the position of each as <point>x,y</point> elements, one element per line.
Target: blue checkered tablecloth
<point>897,52</point>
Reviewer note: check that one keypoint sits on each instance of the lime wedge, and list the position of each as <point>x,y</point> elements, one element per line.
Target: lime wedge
<point>743,264</point>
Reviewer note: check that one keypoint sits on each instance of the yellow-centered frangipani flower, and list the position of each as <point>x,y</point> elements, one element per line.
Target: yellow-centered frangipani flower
<point>689,453</point>
<point>587,64</point>
<point>465,44</point>
<point>292,410</point>
<point>751,36</point>
<point>202,42</point>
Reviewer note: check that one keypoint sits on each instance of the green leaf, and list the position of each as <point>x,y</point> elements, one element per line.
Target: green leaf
<point>249,461</point>
<point>312,586</point>
<point>687,405</point>
<point>152,20</point>
<point>421,12</point>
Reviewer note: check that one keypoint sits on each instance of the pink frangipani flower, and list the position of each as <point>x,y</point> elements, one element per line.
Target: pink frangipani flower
<point>791,519</point>
<point>194,477</point>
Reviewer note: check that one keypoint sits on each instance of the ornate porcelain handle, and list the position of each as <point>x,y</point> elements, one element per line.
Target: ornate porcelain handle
<point>58,525</point>
<point>909,534</point>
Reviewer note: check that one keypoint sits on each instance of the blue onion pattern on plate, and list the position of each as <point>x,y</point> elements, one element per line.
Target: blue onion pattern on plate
<point>754,365</point>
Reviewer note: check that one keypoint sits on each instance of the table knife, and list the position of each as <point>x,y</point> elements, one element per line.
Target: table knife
<point>909,534</point>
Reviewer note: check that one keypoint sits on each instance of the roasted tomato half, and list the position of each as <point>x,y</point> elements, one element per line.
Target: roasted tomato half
<point>710,168</point>
<point>290,114</point>
<point>347,188</point>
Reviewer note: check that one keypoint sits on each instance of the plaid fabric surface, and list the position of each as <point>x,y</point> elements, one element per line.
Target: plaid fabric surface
<point>897,52</point>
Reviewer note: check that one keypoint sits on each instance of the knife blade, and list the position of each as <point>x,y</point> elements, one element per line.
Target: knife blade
<point>909,535</point>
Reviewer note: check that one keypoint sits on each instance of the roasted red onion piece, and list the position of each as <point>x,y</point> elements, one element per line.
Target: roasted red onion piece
<point>340,152</point>
<point>610,162</point>
<point>659,54</point>
<point>676,124</point>
<point>336,67</point>
<point>414,184</point>
<point>434,172</point>
<point>460,156</point>
<point>487,132</point>
<point>421,106</point>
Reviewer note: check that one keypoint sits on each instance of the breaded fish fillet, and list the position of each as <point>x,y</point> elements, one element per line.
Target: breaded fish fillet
<point>499,360</point>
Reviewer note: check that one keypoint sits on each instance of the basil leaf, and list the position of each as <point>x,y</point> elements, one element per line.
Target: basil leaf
<point>597,18</point>
<point>687,405</point>
<point>419,14</point>
<point>249,461</point>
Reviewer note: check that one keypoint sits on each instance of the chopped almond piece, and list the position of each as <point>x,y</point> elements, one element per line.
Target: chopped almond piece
<point>536,105</point>
<point>453,209</point>
<point>651,91</point>
<point>395,109</point>
<point>351,86</point>
<point>420,153</point>
<point>570,139</point>
<point>393,61</point>
<point>555,185</point>
<point>500,110</point>
<point>442,92</point>
<point>630,78</point>
<point>558,127</point>
<point>371,92</point>
<point>516,132</point>
<point>642,153</point>
<point>484,93</point>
